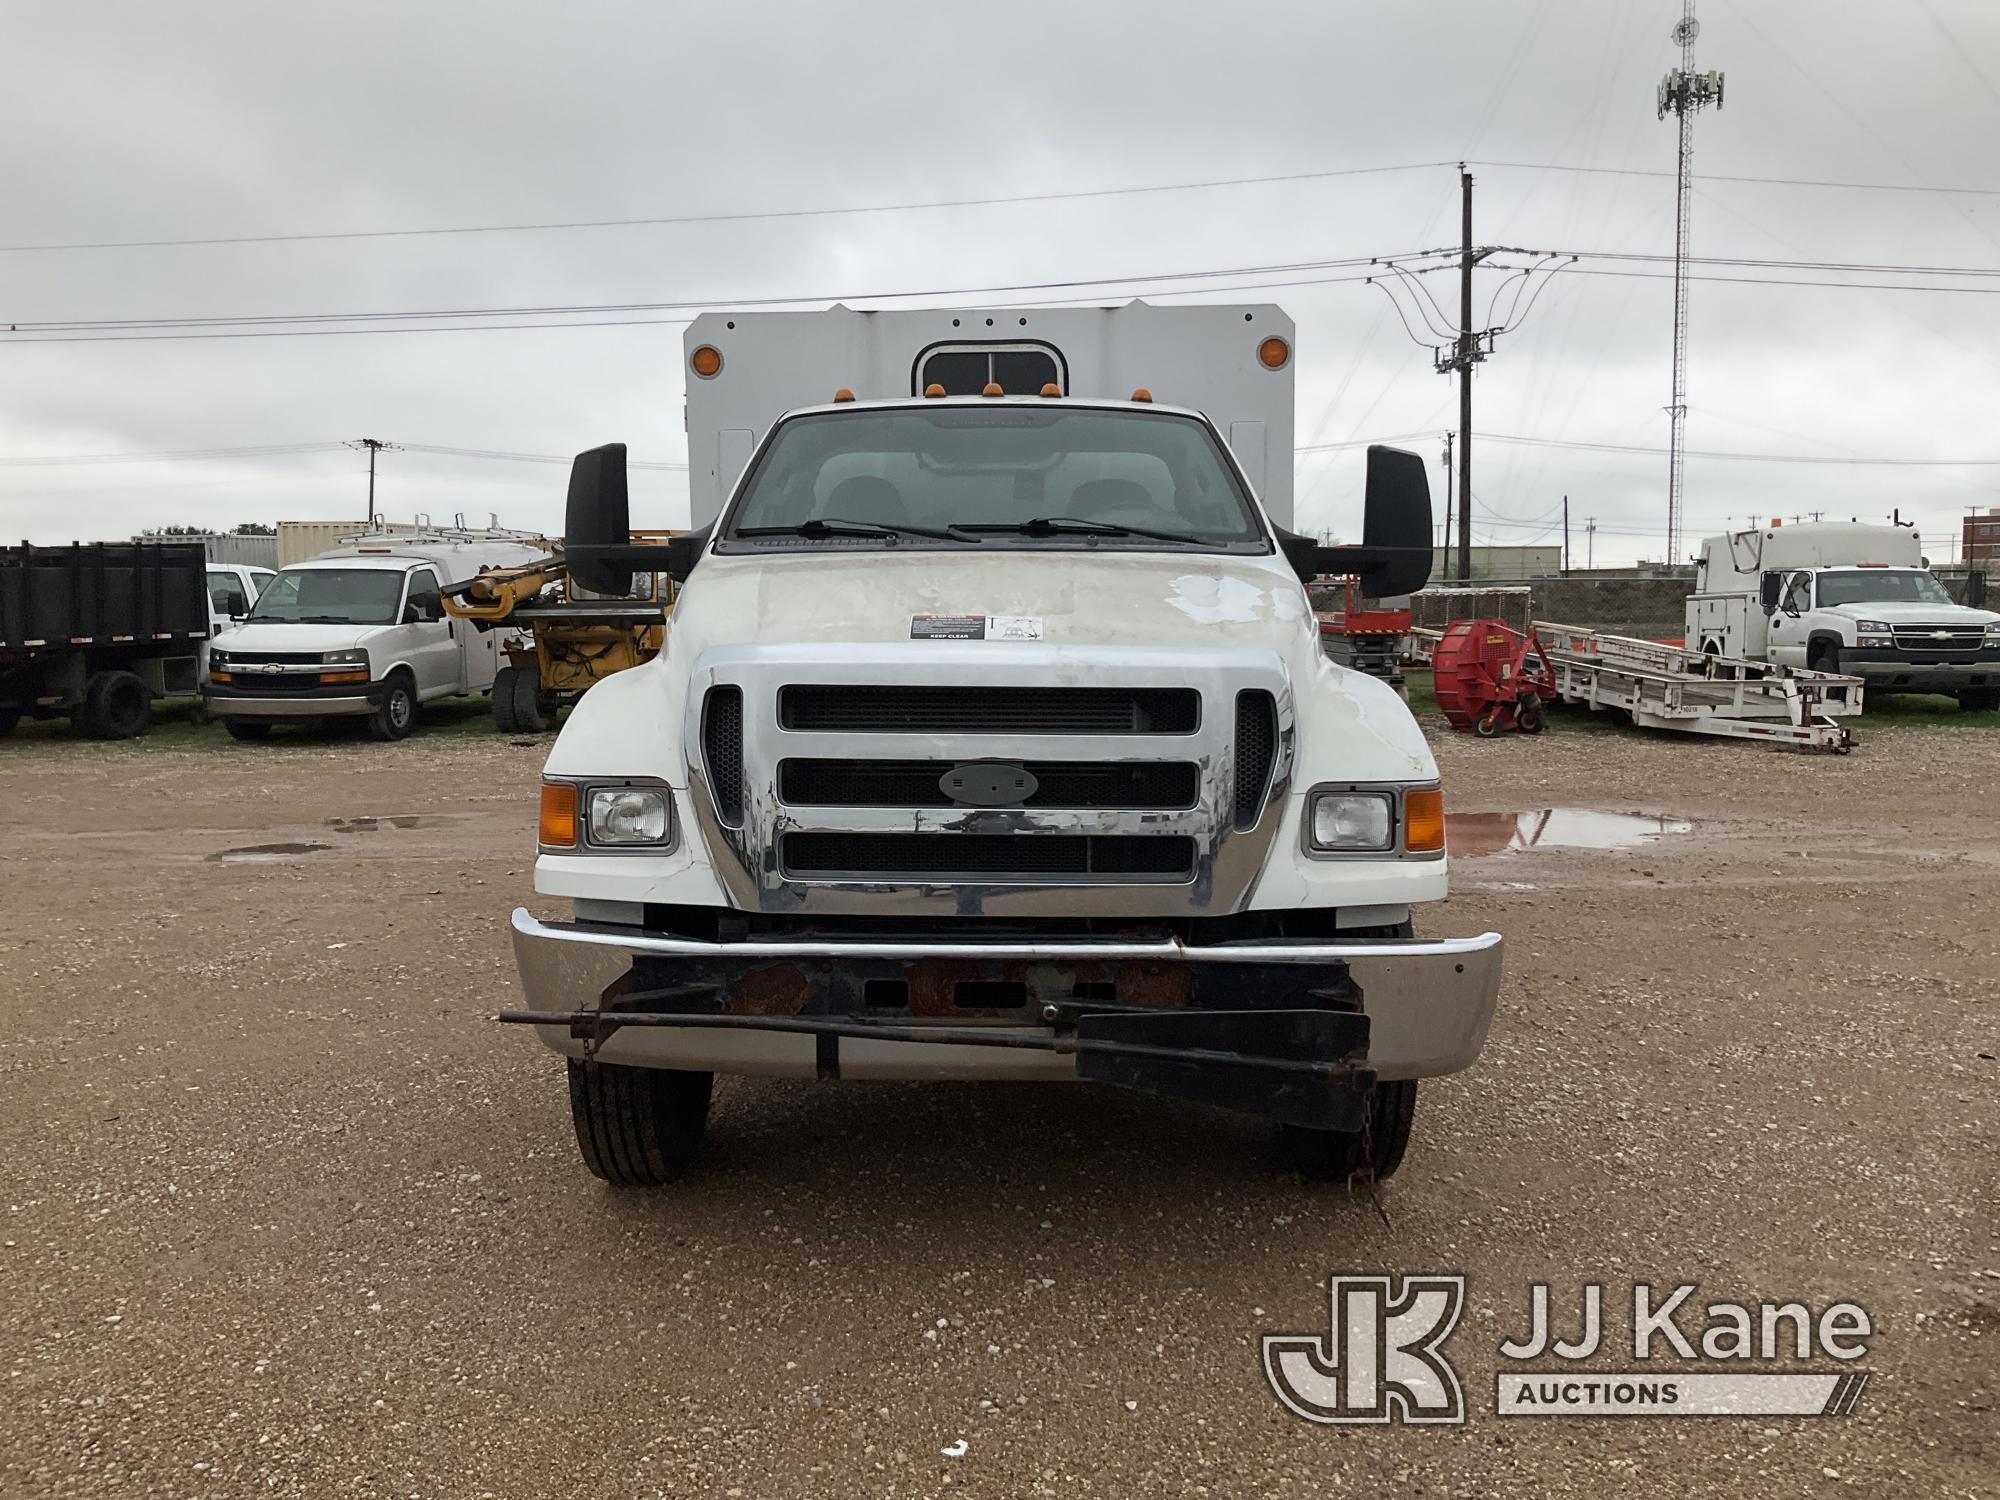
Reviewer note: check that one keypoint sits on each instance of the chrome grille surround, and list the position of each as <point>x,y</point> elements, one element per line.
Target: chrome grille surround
<point>1227,859</point>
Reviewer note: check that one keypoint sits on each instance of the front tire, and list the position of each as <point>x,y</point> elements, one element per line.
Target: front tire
<point>1825,657</point>
<point>534,710</point>
<point>1367,1155</point>
<point>638,1127</point>
<point>247,730</point>
<point>396,715</point>
<point>1979,700</point>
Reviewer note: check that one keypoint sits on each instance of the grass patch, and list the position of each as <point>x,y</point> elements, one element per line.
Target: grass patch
<point>1919,711</point>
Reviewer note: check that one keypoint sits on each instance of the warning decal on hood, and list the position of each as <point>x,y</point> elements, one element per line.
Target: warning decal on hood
<point>975,627</point>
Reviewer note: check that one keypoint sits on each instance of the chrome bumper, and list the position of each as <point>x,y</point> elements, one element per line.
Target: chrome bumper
<point>1429,1003</point>
<point>288,707</point>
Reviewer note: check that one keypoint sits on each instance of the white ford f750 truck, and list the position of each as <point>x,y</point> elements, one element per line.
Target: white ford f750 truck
<point>992,738</point>
<point>1837,596</point>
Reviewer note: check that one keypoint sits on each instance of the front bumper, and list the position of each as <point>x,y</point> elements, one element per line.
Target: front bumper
<point>860,1007</point>
<point>1887,668</point>
<point>228,701</point>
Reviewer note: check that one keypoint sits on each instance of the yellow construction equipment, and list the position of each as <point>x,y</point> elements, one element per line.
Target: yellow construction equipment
<point>577,637</point>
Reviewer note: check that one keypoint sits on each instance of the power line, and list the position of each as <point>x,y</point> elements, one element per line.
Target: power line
<point>725,218</point>
<point>1877,286</point>
<point>276,450</point>
<point>1701,177</point>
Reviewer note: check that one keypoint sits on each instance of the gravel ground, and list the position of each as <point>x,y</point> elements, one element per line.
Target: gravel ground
<point>286,1215</point>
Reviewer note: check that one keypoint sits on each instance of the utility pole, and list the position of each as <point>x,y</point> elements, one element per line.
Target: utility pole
<point>1590,545</point>
<point>1565,533</point>
<point>1471,346</point>
<point>374,446</point>
<point>1683,92</point>
<point>1444,531</point>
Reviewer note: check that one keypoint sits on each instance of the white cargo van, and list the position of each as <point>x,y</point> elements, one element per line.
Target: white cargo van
<point>992,738</point>
<point>359,631</point>
<point>1837,596</point>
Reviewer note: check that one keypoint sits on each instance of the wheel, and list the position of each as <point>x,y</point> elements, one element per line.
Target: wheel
<point>638,1127</point>
<point>534,710</point>
<point>1371,1153</point>
<point>503,700</point>
<point>396,716</point>
<point>1972,700</point>
<point>1825,658</point>
<point>247,729</point>
<point>1529,717</point>
<point>9,717</point>
<point>116,706</point>
<point>1488,724</point>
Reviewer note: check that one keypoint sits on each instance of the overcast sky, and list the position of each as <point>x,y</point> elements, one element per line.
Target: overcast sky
<point>141,121</point>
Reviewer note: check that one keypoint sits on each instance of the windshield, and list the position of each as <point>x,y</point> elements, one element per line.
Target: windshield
<point>331,596</point>
<point>995,475</point>
<point>1881,586</point>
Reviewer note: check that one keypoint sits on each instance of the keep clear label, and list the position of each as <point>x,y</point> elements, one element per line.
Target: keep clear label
<point>975,628</point>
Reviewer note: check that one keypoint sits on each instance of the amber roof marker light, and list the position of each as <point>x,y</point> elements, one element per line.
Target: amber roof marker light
<point>992,389</point>
<point>1142,394</point>
<point>706,361</point>
<point>1051,389</point>
<point>843,394</point>
<point>1274,353</point>
<point>933,391</point>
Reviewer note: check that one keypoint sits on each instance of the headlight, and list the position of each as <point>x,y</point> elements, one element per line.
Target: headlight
<point>1871,627</point>
<point>625,817</point>
<point>344,659</point>
<point>1993,634</point>
<point>1354,822</point>
<point>218,658</point>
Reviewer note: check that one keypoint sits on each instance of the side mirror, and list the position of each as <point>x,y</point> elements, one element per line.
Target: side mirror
<point>599,517</point>
<point>1770,588</point>
<point>598,545</point>
<point>1394,557</point>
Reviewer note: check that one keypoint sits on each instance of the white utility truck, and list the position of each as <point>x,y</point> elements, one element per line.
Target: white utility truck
<point>359,631</point>
<point>992,738</point>
<point>1835,596</point>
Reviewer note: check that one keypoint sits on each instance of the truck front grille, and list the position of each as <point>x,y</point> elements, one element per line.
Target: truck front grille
<point>1256,749</point>
<point>919,783</point>
<point>830,708</point>
<point>722,748</point>
<point>1125,858</point>
<point>1937,639</point>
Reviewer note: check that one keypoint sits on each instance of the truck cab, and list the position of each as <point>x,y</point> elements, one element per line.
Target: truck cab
<point>360,631</point>
<point>992,738</point>
<point>1844,597</point>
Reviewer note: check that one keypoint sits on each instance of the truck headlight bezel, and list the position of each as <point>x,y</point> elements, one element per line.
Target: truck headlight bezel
<point>1365,798</point>
<point>354,658</point>
<point>591,800</point>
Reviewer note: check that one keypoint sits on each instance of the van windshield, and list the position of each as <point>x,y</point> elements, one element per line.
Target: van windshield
<point>331,596</point>
<point>1004,475</point>
<point>1881,586</point>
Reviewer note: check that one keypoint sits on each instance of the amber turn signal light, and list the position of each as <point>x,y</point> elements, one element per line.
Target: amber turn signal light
<point>558,821</point>
<point>1423,820</point>
<point>1274,353</point>
<point>706,361</point>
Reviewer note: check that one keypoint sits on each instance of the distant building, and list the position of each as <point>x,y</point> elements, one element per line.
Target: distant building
<point>1496,562</point>
<point>1980,540</point>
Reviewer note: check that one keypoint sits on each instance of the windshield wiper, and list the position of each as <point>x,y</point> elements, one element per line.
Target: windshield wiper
<point>298,620</point>
<point>823,526</point>
<point>1073,526</point>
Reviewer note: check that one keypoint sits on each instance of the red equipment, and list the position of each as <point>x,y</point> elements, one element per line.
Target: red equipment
<point>1490,677</point>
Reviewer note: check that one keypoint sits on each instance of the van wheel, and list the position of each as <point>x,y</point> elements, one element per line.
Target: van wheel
<point>247,729</point>
<point>1370,1154</point>
<point>638,1127</point>
<point>9,717</point>
<point>534,710</point>
<point>396,716</point>
<point>116,706</point>
<point>1972,700</point>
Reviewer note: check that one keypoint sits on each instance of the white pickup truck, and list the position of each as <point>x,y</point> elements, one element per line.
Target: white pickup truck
<point>992,738</point>
<point>1836,596</point>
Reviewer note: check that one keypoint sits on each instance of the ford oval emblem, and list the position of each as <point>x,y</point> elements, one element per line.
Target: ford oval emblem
<point>988,784</point>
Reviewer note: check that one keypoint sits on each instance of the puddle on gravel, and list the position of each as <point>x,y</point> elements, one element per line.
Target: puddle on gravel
<point>251,854</point>
<point>1475,835</point>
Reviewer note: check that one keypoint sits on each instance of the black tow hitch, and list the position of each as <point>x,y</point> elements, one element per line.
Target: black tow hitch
<point>1299,1067</point>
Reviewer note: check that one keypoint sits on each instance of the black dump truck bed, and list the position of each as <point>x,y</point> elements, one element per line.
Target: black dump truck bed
<point>99,630</point>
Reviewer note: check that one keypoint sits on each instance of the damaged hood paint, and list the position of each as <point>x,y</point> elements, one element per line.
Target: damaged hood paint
<point>1068,598</point>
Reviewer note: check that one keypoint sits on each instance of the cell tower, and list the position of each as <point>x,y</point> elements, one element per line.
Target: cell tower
<point>1683,92</point>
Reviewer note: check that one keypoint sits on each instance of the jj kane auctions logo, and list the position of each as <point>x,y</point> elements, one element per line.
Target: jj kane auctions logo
<point>1382,1357</point>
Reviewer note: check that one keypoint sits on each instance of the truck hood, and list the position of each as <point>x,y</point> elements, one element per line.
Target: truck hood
<point>257,637</point>
<point>1900,613</point>
<point>1070,598</point>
